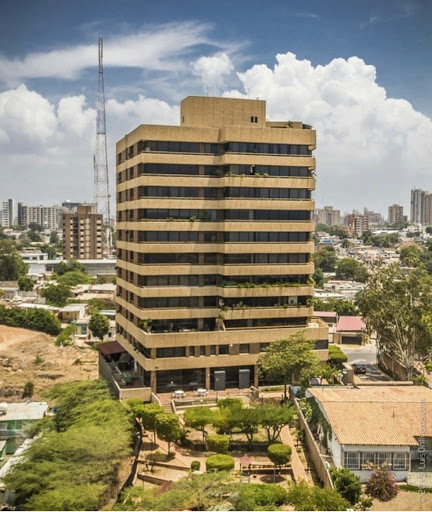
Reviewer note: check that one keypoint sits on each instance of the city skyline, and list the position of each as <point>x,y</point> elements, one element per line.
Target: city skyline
<point>362,84</point>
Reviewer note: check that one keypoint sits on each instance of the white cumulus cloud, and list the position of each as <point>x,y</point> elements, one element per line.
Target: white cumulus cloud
<point>371,149</point>
<point>213,70</point>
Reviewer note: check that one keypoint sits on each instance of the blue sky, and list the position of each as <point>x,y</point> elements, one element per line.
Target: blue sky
<point>361,66</point>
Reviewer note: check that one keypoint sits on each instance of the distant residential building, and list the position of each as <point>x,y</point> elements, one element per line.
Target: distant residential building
<point>374,219</point>
<point>395,214</point>
<point>82,233</point>
<point>328,216</point>
<point>8,213</point>
<point>49,217</point>
<point>418,205</point>
<point>357,224</point>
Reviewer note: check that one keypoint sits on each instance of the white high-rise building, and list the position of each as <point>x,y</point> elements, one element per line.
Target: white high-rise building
<point>8,213</point>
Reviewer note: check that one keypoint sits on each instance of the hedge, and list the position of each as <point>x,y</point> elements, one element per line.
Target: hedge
<point>34,319</point>
<point>279,454</point>
<point>218,443</point>
<point>220,463</point>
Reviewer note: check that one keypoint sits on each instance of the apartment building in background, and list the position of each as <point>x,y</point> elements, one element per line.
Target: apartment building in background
<point>214,244</point>
<point>328,216</point>
<point>395,214</point>
<point>357,224</point>
<point>83,233</point>
<point>8,213</point>
<point>49,217</point>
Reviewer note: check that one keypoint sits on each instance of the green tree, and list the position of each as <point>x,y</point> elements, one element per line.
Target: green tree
<point>69,266</point>
<point>350,268</point>
<point>199,418</point>
<point>34,319</point>
<point>74,277</point>
<point>304,497</point>
<point>279,455</point>
<point>341,306</point>
<point>25,283</point>
<point>56,294</point>
<point>347,484</point>
<point>34,226</point>
<point>247,420</point>
<point>397,306</point>
<point>325,259</point>
<point>99,325</point>
<point>168,428</point>
<point>289,361</point>
<point>259,497</point>
<point>28,389</point>
<point>54,238</point>
<point>11,263</point>
<point>273,418</point>
<point>148,413</point>
<point>33,236</point>
<point>318,277</point>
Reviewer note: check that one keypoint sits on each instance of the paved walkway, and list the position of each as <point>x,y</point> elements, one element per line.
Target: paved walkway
<point>296,464</point>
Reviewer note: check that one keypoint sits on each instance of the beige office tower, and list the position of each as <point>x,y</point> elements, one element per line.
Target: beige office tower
<point>214,243</point>
<point>395,214</point>
<point>82,234</point>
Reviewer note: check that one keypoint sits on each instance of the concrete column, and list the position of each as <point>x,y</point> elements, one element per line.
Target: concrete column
<point>153,381</point>
<point>207,378</point>
<point>256,375</point>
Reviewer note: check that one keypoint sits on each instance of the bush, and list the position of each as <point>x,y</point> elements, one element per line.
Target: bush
<point>195,465</point>
<point>279,454</point>
<point>304,497</point>
<point>230,403</point>
<point>336,356</point>
<point>347,484</point>
<point>220,463</point>
<point>218,443</point>
<point>34,319</point>
<point>64,338</point>
<point>260,497</point>
<point>382,484</point>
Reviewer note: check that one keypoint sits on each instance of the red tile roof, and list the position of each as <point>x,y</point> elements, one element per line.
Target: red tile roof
<point>351,323</point>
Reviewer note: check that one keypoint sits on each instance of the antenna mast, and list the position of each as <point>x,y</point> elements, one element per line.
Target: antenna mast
<point>101,195</point>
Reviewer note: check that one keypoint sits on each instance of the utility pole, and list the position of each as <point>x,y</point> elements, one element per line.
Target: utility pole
<point>101,195</point>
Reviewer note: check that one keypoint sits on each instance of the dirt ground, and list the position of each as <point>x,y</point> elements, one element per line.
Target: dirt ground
<point>32,356</point>
<point>406,501</point>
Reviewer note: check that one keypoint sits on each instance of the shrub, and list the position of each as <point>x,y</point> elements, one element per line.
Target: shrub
<point>279,454</point>
<point>218,443</point>
<point>382,484</point>
<point>64,338</point>
<point>304,497</point>
<point>347,484</point>
<point>260,497</point>
<point>230,403</point>
<point>195,465</point>
<point>336,356</point>
<point>220,463</point>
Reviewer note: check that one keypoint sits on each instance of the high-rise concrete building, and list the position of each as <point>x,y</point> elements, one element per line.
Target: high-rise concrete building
<point>328,216</point>
<point>49,217</point>
<point>374,219</point>
<point>357,224</point>
<point>82,234</point>
<point>417,205</point>
<point>395,214</point>
<point>214,243</point>
<point>8,213</point>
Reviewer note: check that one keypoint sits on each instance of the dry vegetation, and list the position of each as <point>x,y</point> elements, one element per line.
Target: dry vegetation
<point>32,356</point>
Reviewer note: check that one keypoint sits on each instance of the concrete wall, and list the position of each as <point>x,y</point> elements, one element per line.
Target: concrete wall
<point>312,446</point>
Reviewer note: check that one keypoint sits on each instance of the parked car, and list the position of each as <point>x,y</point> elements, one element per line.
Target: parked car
<point>359,368</point>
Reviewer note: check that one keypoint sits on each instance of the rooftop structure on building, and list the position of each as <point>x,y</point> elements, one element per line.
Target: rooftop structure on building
<point>214,243</point>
